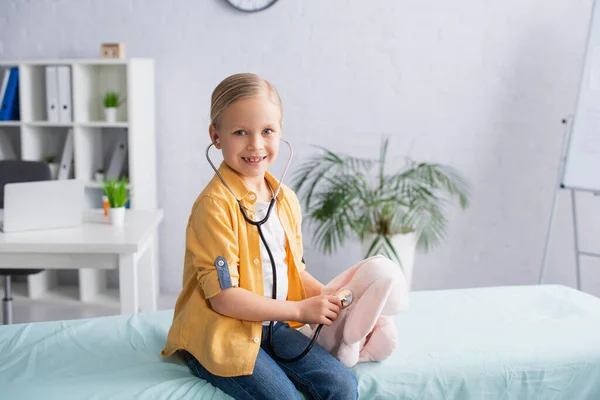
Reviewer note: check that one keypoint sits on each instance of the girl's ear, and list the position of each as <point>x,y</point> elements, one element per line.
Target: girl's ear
<point>214,136</point>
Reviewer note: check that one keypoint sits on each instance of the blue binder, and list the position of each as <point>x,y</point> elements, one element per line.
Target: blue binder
<point>9,109</point>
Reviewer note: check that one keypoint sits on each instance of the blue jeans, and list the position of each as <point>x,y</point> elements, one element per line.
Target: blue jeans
<point>318,375</point>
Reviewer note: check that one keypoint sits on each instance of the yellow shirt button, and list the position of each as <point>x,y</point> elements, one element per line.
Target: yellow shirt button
<point>256,340</point>
<point>252,197</point>
<point>256,261</point>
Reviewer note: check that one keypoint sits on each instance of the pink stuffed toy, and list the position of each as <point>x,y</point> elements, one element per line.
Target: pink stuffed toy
<point>365,330</point>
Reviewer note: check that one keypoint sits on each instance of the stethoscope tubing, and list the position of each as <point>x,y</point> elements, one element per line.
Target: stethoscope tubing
<point>258,224</point>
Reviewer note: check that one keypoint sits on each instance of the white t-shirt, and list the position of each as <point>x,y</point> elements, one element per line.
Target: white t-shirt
<point>275,237</point>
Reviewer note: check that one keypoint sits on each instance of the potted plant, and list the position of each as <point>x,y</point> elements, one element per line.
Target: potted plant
<point>112,100</point>
<point>52,164</point>
<point>116,193</point>
<point>392,214</point>
<point>99,176</point>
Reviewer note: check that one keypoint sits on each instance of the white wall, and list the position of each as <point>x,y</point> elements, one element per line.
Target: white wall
<point>479,85</point>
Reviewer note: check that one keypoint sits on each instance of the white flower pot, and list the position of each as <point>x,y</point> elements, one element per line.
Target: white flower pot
<point>110,114</point>
<point>405,246</point>
<point>116,216</point>
<point>53,170</point>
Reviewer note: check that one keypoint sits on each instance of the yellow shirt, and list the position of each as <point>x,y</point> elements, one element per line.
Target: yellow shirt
<point>222,251</point>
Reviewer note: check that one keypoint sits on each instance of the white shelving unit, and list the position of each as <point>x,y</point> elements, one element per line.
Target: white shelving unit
<point>33,137</point>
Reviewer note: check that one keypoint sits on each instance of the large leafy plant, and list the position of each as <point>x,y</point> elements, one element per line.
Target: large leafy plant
<point>345,195</point>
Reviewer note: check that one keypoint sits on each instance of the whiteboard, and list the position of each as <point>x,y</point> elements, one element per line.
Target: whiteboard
<point>582,164</point>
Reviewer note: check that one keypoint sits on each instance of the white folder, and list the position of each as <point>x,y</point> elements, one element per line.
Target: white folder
<point>52,94</point>
<point>66,160</point>
<point>6,149</point>
<point>4,83</point>
<point>117,161</point>
<point>64,93</point>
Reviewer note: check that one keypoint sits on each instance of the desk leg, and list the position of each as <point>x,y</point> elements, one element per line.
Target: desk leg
<point>147,277</point>
<point>128,283</point>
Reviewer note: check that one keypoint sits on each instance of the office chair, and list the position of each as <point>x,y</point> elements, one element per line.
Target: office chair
<point>13,171</point>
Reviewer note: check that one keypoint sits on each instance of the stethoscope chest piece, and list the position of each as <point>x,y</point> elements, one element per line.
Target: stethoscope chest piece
<point>346,297</point>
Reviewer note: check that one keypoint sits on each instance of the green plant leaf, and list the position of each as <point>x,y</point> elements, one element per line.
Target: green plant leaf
<point>112,99</point>
<point>391,251</point>
<point>382,158</point>
<point>343,195</point>
<point>116,192</point>
<point>373,247</point>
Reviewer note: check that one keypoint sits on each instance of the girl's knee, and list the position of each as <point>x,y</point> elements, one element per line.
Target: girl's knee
<point>344,387</point>
<point>335,384</point>
<point>349,387</point>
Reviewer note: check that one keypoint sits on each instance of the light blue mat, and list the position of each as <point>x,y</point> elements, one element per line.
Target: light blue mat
<point>529,342</point>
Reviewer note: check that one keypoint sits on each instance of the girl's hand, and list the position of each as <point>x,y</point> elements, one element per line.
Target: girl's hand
<point>327,290</point>
<point>322,309</point>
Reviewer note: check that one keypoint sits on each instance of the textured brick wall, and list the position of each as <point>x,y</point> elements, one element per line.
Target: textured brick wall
<point>479,85</point>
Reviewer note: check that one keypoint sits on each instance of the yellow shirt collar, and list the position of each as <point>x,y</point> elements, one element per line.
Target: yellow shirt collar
<point>237,185</point>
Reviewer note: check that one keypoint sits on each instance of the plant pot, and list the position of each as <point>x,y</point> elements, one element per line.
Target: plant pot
<point>53,170</point>
<point>110,114</point>
<point>116,216</point>
<point>405,245</point>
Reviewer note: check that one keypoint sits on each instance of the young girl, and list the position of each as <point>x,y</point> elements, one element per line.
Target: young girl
<point>222,315</point>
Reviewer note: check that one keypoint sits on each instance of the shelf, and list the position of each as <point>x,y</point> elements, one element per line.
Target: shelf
<point>90,124</point>
<point>88,61</point>
<point>10,136</point>
<point>40,141</point>
<point>49,124</point>
<point>92,81</point>
<point>10,123</point>
<point>127,147</point>
<point>93,185</point>
<point>96,146</point>
<point>102,124</point>
<point>98,185</point>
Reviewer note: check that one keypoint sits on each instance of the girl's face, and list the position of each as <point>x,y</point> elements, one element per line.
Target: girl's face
<point>249,132</point>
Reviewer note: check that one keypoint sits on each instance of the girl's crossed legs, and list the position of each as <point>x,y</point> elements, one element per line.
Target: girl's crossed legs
<point>318,375</point>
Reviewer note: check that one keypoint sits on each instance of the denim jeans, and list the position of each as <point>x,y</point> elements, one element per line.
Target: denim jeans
<point>318,375</point>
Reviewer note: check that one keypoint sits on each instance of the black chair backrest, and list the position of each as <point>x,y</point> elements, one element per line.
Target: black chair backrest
<point>13,171</point>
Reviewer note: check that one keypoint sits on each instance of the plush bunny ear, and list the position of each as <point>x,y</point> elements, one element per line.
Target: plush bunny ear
<point>345,277</point>
<point>361,319</point>
<point>397,301</point>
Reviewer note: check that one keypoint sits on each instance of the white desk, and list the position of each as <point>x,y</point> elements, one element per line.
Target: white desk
<point>95,245</point>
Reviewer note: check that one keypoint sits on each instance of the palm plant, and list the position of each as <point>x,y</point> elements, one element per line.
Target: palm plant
<point>345,195</point>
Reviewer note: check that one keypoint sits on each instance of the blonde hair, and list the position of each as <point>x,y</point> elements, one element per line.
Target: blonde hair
<point>240,86</point>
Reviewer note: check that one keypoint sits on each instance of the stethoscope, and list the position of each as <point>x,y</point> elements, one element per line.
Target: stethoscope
<point>345,294</point>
